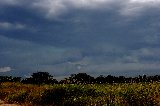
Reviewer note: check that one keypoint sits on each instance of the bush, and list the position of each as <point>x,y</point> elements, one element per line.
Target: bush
<point>54,96</point>
<point>138,97</point>
<point>81,90</point>
<point>18,97</point>
<point>3,94</point>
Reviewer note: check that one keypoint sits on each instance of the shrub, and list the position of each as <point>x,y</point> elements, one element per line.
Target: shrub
<point>54,96</point>
<point>138,97</point>
<point>3,94</point>
<point>17,97</point>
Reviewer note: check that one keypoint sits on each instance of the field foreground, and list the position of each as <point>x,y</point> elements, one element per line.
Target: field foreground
<point>117,94</point>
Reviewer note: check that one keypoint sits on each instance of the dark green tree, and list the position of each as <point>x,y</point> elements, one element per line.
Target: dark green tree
<point>40,78</point>
<point>81,78</point>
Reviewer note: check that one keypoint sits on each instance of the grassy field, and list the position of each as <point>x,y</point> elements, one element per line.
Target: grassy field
<point>125,94</point>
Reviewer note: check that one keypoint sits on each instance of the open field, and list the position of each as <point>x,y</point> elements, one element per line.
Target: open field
<point>118,94</point>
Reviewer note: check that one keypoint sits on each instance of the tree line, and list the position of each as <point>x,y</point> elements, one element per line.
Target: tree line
<point>80,78</point>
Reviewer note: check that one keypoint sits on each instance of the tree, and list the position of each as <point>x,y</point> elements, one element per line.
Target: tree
<point>81,78</point>
<point>40,78</point>
<point>110,79</point>
<point>100,79</point>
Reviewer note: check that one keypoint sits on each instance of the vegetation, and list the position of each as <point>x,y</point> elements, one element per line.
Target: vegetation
<point>40,78</point>
<point>117,94</point>
<point>80,78</point>
<point>81,90</point>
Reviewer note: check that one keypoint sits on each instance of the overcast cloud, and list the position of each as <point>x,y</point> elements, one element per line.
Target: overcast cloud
<point>66,36</point>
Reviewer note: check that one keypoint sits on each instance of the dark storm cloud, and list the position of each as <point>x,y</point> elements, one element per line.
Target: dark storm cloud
<point>68,36</point>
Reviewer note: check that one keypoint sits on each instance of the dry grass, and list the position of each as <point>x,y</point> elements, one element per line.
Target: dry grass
<point>125,94</point>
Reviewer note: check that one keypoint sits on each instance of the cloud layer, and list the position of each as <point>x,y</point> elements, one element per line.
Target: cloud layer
<point>68,36</point>
<point>53,8</point>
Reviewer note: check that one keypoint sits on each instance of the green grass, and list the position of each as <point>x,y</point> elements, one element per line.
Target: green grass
<point>125,94</point>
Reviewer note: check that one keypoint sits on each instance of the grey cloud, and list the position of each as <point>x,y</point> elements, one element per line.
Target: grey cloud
<point>152,39</point>
<point>119,65</point>
<point>24,54</point>
<point>12,26</point>
<point>53,8</point>
<point>147,52</point>
<point>124,67</point>
<point>124,7</point>
<point>94,36</point>
<point>9,2</point>
<point>135,7</point>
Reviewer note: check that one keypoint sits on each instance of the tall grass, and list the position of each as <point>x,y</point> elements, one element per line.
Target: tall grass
<point>124,94</point>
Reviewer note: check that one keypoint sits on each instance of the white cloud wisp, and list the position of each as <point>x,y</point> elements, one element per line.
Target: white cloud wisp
<point>5,69</point>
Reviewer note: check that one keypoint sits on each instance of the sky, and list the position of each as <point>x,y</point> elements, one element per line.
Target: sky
<point>63,37</point>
